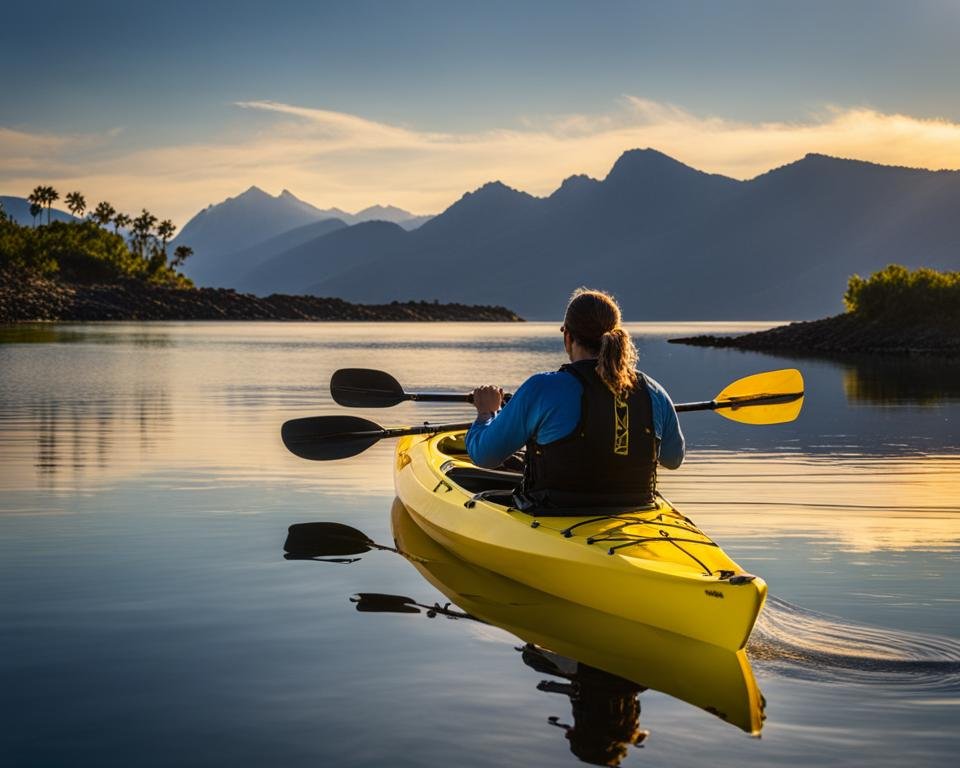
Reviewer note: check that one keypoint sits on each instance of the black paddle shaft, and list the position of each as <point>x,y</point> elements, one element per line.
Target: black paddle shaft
<point>713,405</point>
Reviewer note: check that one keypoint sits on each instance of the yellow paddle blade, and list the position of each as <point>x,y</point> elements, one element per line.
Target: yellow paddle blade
<point>775,397</point>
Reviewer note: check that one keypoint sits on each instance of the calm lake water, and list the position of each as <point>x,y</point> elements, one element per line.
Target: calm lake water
<point>148,617</point>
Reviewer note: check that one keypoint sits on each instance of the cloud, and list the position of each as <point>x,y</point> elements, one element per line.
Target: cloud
<point>334,158</point>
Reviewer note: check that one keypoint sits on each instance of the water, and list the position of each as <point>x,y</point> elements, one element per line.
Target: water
<point>147,615</point>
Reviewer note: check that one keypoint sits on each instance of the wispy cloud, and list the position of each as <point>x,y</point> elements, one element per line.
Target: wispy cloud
<point>334,158</point>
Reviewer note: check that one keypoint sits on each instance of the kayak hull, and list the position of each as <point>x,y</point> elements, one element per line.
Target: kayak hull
<point>651,565</point>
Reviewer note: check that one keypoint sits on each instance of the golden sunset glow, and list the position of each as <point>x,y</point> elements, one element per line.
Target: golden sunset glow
<point>333,158</point>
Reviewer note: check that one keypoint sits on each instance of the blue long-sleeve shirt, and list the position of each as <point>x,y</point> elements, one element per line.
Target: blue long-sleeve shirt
<point>547,407</point>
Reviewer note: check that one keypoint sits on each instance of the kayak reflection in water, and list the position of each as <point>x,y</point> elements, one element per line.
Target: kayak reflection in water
<point>594,430</point>
<point>606,710</point>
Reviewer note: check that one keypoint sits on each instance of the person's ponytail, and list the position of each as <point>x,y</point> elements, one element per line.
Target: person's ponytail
<point>617,362</point>
<point>593,319</point>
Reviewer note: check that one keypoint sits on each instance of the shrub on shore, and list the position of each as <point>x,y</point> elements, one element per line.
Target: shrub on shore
<point>896,293</point>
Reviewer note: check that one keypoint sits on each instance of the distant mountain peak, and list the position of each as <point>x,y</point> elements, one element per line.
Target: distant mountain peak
<point>575,183</point>
<point>383,209</point>
<point>495,190</point>
<point>645,161</point>
<point>253,191</point>
<point>578,179</point>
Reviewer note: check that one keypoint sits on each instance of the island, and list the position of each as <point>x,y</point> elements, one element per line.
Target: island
<point>80,270</point>
<point>895,311</point>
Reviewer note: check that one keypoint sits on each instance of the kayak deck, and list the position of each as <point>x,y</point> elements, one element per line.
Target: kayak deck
<point>650,564</point>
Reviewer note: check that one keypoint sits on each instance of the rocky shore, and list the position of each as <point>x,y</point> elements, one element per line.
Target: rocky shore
<point>843,335</point>
<point>31,299</point>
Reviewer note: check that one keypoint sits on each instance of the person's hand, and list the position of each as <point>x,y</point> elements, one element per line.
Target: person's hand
<point>487,399</point>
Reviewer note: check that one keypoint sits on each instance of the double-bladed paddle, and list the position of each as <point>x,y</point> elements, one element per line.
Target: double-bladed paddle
<point>775,397</point>
<point>369,388</point>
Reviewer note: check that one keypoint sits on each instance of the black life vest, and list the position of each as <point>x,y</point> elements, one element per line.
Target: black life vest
<point>609,460</point>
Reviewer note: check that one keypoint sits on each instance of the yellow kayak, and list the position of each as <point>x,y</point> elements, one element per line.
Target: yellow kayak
<point>650,565</point>
<point>718,681</point>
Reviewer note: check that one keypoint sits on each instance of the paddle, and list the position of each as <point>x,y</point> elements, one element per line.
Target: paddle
<point>775,397</point>
<point>770,391</point>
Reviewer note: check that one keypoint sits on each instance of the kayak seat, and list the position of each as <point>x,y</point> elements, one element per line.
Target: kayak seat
<point>477,479</point>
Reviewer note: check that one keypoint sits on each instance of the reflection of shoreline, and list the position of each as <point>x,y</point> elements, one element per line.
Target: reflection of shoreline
<point>77,435</point>
<point>902,381</point>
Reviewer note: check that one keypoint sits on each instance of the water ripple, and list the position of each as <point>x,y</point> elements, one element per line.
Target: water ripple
<point>795,642</point>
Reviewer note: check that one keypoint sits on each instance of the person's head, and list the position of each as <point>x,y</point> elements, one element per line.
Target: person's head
<point>591,326</point>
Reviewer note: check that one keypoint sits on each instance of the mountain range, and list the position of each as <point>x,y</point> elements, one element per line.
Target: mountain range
<point>670,241</point>
<point>237,234</point>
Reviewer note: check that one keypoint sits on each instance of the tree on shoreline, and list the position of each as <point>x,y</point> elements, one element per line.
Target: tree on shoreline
<point>50,196</point>
<point>898,294</point>
<point>120,221</point>
<point>165,230</point>
<point>36,200</point>
<point>103,214</point>
<point>76,203</point>
<point>84,250</point>
<point>142,231</point>
<point>180,254</point>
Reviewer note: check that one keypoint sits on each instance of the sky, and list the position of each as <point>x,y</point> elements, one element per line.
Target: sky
<point>178,105</point>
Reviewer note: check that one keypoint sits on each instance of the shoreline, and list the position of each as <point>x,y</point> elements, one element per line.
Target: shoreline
<point>38,300</point>
<point>841,336</point>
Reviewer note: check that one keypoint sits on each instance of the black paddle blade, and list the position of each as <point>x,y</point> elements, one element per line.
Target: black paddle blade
<point>376,602</point>
<point>365,388</point>
<point>325,540</point>
<point>323,438</point>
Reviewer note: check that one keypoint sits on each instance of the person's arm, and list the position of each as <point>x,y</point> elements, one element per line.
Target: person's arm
<point>667,427</point>
<point>496,435</point>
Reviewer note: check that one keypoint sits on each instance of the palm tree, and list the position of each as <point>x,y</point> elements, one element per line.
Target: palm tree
<point>121,221</point>
<point>103,214</point>
<point>76,203</point>
<point>165,230</point>
<point>35,210</point>
<point>36,200</point>
<point>142,229</point>
<point>180,254</point>
<point>50,196</point>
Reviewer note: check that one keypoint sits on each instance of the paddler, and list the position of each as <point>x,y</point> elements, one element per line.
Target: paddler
<point>594,430</point>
